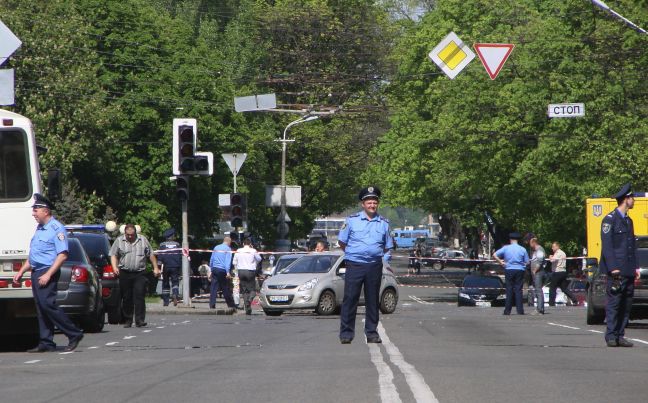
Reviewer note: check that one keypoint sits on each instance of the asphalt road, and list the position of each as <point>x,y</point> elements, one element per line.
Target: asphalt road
<point>432,351</point>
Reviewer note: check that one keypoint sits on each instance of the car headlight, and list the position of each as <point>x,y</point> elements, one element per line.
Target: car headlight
<point>463,295</point>
<point>309,285</point>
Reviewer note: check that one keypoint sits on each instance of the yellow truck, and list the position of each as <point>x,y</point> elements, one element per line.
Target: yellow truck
<point>596,209</point>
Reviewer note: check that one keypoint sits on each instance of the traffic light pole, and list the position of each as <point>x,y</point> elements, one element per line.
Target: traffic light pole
<point>186,284</point>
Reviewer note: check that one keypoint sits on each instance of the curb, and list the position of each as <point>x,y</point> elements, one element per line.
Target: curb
<point>162,310</point>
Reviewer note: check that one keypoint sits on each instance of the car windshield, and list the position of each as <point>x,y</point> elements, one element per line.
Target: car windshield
<point>312,264</point>
<point>75,252</point>
<point>482,282</point>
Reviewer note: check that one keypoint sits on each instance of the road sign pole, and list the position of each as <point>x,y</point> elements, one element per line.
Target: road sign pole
<point>186,288</point>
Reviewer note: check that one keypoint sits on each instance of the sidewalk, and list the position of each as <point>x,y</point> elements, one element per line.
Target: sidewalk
<point>199,306</point>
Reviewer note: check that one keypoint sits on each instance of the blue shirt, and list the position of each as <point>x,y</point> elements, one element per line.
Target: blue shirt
<point>515,256</point>
<point>221,258</point>
<point>365,239</point>
<point>48,241</point>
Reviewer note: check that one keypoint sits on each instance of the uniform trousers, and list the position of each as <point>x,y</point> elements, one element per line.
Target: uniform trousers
<point>358,275</point>
<point>514,280</point>
<point>133,285</point>
<point>170,283</point>
<point>49,314</point>
<point>617,309</point>
<point>220,283</point>
<point>247,286</point>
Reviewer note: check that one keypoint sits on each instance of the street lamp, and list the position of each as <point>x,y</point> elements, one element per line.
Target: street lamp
<point>283,244</point>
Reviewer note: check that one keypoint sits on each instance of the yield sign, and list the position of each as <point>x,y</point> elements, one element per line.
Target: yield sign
<point>234,162</point>
<point>8,42</point>
<point>493,56</point>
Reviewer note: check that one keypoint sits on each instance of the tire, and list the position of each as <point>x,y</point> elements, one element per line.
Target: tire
<point>388,301</point>
<point>326,304</point>
<point>272,313</point>
<point>437,266</point>
<point>94,322</point>
<point>594,316</point>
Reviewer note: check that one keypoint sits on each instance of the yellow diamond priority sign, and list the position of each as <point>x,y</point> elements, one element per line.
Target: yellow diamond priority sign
<point>451,55</point>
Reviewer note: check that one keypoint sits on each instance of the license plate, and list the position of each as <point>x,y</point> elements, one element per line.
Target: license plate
<point>278,298</point>
<point>483,303</point>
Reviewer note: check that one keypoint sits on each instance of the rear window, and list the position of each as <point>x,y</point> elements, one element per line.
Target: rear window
<point>483,282</point>
<point>76,252</point>
<point>94,245</point>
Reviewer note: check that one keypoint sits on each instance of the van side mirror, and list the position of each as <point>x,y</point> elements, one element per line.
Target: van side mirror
<point>54,184</point>
<point>341,271</point>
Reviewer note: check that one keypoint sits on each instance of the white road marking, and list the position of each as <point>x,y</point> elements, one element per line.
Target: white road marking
<point>146,331</point>
<point>93,347</point>
<point>112,343</point>
<point>128,337</point>
<point>406,304</point>
<point>388,392</point>
<point>565,326</point>
<point>160,327</point>
<point>640,341</point>
<point>32,362</point>
<point>186,321</point>
<point>66,352</point>
<point>416,382</point>
<point>595,331</point>
<point>419,300</point>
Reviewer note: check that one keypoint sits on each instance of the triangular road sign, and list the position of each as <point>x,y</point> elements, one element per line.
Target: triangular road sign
<point>234,161</point>
<point>9,42</point>
<point>493,56</point>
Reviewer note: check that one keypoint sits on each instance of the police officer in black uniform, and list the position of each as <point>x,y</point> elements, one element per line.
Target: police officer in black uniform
<point>171,266</point>
<point>618,261</point>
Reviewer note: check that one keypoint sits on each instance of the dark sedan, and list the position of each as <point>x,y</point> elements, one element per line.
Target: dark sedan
<point>477,290</point>
<point>79,289</point>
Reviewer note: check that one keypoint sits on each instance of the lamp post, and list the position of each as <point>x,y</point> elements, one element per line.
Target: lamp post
<point>283,244</point>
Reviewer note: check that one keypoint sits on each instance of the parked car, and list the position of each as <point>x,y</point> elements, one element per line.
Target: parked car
<point>430,246</point>
<point>79,289</point>
<point>596,295</point>
<point>478,290</point>
<point>316,281</point>
<point>97,245</point>
<point>450,258</point>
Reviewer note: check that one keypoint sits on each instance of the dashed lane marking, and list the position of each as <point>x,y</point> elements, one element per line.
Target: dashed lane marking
<point>32,362</point>
<point>93,347</point>
<point>146,331</point>
<point>128,337</point>
<point>419,300</point>
<point>66,352</point>
<point>640,341</point>
<point>112,343</point>
<point>565,326</point>
<point>159,327</point>
<point>595,331</point>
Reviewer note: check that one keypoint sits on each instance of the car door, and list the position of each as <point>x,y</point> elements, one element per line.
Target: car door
<point>338,280</point>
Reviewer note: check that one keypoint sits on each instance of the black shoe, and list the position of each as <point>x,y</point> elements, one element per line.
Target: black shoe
<point>345,340</point>
<point>128,324</point>
<point>175,301</point>
<point>625,343</point>
<point>612,343</point>
<point>72,345</point>
<point>374,339</point>
<point>41,349</point>
<point>141,324</point>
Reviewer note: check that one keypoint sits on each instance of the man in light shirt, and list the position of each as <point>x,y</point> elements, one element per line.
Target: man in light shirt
<point>246,260</point>
<point>559,275</point>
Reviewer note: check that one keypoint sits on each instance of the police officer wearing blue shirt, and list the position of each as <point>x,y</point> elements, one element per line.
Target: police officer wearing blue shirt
<point>619,262</point>
<point>514,258</point>
<point>47,252</point>
<point>170,256</point>
<point>221,264</point>
<point>364,238</point>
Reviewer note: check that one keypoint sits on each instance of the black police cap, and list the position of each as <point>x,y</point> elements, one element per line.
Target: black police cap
<point>42,201</point>
<point>515,235</point>
<point>626,191</point>
<point>369,192</point>
<point>169,233</point>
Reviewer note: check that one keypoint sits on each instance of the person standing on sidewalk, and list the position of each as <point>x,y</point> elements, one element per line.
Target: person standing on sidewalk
<point>559,275</point>
<point>171,267</point>
<point>514,258</point>
<point>537,272</point>
<point>221,264</point>
<point>128,256</point>
<point>47,252</point>
<point>246,262</point>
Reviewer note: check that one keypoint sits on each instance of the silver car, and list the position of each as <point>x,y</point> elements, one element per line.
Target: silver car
<point>316,281</point>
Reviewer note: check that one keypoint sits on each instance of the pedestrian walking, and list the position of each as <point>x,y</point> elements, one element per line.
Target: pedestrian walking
<point>246,262</point>
<point>205,272</point>
<point>558,277</point>
<point>170,257</point>
<point>128,256</point>
<point>514,258</point>
<point>538,274</point>
<point>619,262</point>
<point>221,264</point>
<point>48,251</point>
<point>365,239</point>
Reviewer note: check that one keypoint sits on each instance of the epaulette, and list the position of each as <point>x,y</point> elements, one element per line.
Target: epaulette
<point>354,215</point>
<point>384,219</point>
<point>55,226</point>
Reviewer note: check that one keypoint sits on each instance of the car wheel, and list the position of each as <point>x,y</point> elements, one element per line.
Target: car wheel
<point>94,321</point>
<point>114,314</point>
<point>594,316</point>
<point>388,301</point>
<point>272,313</point>
<point>326,304</point>
<point>437,266</point>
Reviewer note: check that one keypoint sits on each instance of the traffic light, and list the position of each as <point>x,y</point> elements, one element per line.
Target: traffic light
<point>204,163</point>
<point>236,210</point>
<point>185,134</point>
<point>182,187</point>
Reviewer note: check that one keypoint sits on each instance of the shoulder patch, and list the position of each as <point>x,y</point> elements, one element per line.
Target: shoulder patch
<point>60,236</point>
<point>606,227</point>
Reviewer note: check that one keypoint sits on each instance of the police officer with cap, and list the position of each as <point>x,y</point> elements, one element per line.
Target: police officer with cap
<point>47,253</point>
<point>619,262</point>
<point>514,258</point>
<point>170,256</point>
<point>365,239</point>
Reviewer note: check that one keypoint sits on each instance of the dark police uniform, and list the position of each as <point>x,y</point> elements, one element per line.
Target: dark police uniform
<point>618,253</point>
<point>172,266</point>
<point>48,242</point>
<point>366,240</point>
